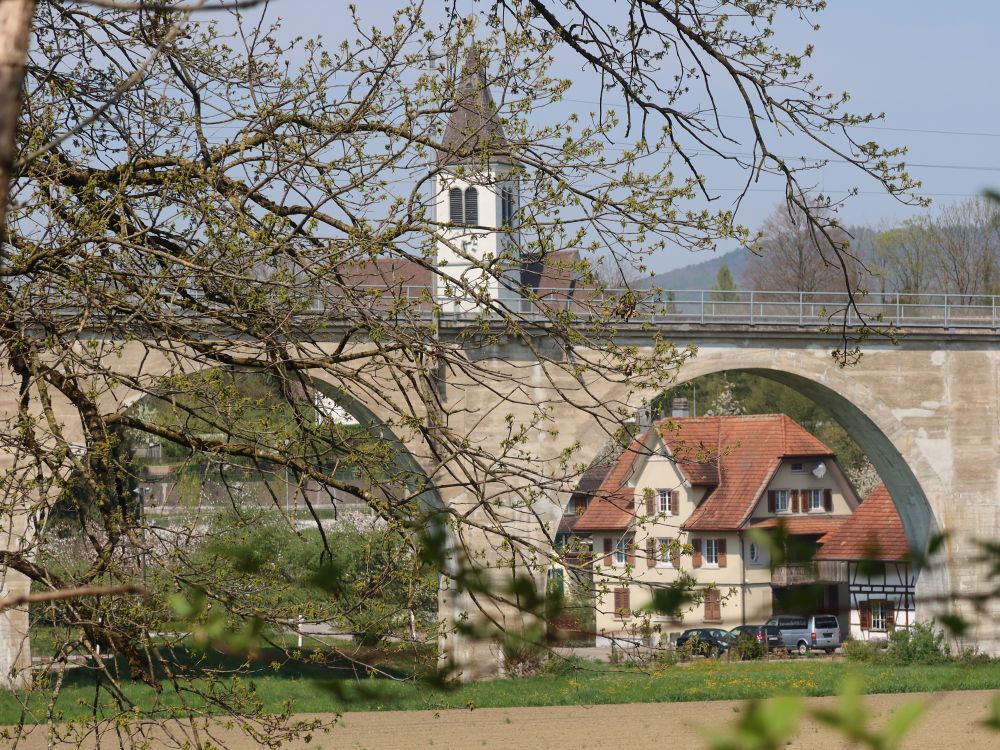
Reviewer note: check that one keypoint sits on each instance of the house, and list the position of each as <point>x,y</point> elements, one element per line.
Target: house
<point>873,555</point>
<point>682,503</point>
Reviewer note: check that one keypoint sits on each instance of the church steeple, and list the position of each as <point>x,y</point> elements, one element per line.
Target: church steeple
<point>474,132</point>
<point>476,200</point>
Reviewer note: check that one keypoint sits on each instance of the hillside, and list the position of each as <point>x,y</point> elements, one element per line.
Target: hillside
<point>700,275</point>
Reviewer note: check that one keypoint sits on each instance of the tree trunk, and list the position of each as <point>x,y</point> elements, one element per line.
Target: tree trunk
<point>15,30</point>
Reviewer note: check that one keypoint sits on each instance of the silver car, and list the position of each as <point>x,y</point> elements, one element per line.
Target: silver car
<point>794,632</point>
<point>824,632</point>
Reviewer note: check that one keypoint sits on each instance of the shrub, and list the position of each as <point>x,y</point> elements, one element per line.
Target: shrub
<point>746,647</point>
<point>920,644</point>
<point>866,652</point>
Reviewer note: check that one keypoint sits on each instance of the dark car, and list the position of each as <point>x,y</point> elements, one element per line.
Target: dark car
<point>706,641</point>
<point>767,636</point>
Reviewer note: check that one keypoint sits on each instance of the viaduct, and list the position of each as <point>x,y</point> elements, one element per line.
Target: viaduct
<point>926,410</point>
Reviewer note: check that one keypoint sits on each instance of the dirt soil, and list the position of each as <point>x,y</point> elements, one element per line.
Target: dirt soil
<point>951,720</point>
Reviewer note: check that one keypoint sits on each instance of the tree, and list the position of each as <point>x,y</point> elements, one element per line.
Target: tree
<point>185,204</point>
<point>787,258</point>
<point>724,285</point>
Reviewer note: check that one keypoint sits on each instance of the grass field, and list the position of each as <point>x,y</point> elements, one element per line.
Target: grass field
<point>337,687</point>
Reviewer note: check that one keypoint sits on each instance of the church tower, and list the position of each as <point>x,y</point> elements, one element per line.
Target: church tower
<point>476,201</point>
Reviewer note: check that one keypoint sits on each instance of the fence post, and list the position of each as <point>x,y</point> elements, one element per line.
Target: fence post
<point>993,309</point>
<point>946,311</point>
<point>751,307</point>
<point>703,306</point>
<point>802,300</point>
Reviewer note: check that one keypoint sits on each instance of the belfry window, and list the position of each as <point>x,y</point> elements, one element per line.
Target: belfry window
<point>463,208</point>
<point>471,206</point>
<point>455,207</point>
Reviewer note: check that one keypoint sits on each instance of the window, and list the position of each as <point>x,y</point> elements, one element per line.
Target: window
<point>620,551</point>
<point>711,552</point>
<point>877,614</point>
<point>754,552</point>
<point>665,503</point>
<point>455,206</point>
<point>713,605</point>
<point>664,555</point>
<point>781,501</point>
<point>622,607</point>
<point>463,208</point>
<point>815,499</point>
<point>506,206</point>
<point>471,206</point>
<point>798,468</point>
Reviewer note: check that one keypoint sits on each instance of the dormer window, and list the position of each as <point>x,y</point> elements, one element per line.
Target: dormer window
<point>463,206</point>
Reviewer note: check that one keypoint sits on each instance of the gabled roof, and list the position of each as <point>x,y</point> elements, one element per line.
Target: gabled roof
<point>474,128</point>
<point>734,456</point>
<point>612,506</point>
<point>747,452</point>
<point>874,532</point>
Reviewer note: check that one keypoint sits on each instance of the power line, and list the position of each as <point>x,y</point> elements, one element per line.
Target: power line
<point>929,131</point>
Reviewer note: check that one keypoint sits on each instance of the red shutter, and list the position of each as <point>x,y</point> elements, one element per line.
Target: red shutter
<point>650,504</point>
<point>622,602</point>
<point>795,500</point>
<point>772,501</point>
<point>675,498</point>
<point>609,547</point>
<point>675,555</point>
<point>865,615</point>
<point>828,500</point>
<point>650,552</point>
<point>696,556</point>
<point>722,552</point>
<point>630,551</point>
<point>890,615</point>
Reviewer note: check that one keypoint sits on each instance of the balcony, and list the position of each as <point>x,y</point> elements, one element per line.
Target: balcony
<point>801,574</point>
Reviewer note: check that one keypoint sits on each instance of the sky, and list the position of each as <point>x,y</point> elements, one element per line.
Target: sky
<point>930,67</point>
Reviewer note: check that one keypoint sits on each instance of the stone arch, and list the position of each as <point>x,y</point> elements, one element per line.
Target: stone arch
<point>911,480</point>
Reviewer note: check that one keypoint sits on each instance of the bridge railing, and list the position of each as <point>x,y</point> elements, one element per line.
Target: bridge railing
<point>697,307</point>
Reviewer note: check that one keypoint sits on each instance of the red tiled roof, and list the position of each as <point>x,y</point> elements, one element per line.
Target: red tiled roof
<point>736,456</point>
<point>613,505</point>
<point>874,532</point>
<point>747,451</point>
<point>808,526</point>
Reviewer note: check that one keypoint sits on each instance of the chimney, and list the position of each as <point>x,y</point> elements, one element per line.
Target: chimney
<point>679,407</point>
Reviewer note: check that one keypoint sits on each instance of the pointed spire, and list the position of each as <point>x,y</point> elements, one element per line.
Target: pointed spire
<point>474,127</point>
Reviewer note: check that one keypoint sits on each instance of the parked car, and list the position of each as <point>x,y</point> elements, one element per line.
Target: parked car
<point>768,636</point>
<point>824,632</point>
<point>706,641</point>
<point>795,632</point>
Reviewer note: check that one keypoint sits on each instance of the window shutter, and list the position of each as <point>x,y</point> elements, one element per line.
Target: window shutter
<point>456,214</point>
<point>865,615</point>
<point>828,500</point>
<point>890,616</point>
<point>772,501</point>
<point>609,546</point>
<point>471,206</point>
<point>722,552</point>
<point>622,602</point>
<point>795,500</point>
<point>696,557</point>
<point>675,498</point>
<point>651,504</point>
<point>650,552</point>
<point>630,551</point>
<point>675,555</point>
